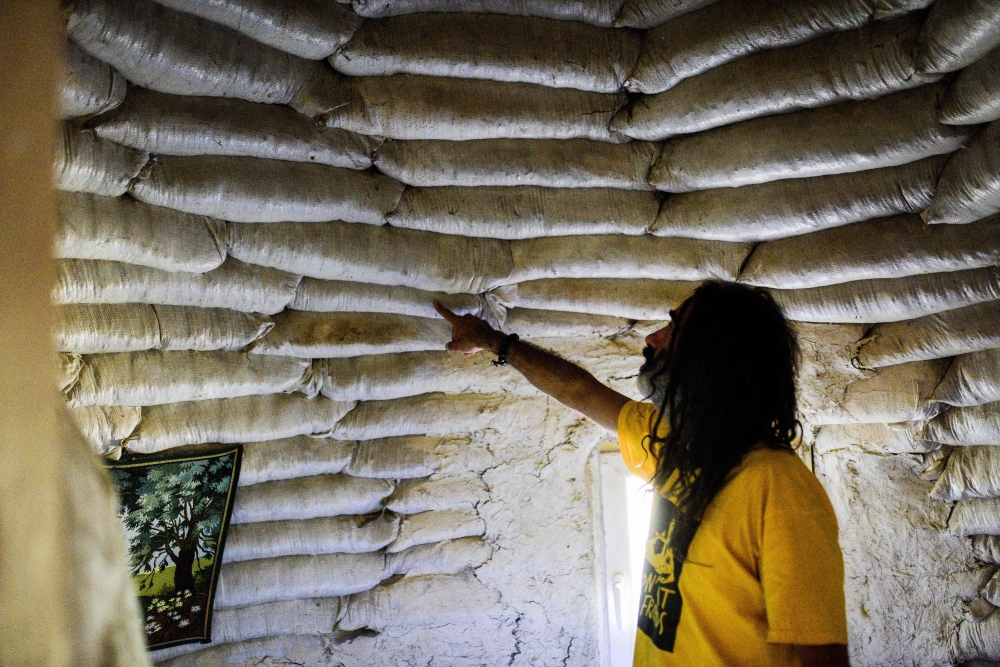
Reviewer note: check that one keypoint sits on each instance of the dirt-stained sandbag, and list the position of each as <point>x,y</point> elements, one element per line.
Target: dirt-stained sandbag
<point>732,29</point>
<point>890,299</point>
<point>852,65</point>
<point>232,420</point>
<point>84,162</point>
<point>633,299</point>
<point>977,641</point>
<point>381,255</point>
<point>945,334</point>
<point>958,33</point>
<point>181,125</point>
<point>430,527</point>
<point>176,52</point>
<point>310,537</point>
<point>243,287</point>
<point>427,414</point>
<point>402,458</point>
<point>987,548</point>
<point>522,212</point>
<point>790,207</point>
<point>124,230</point>
<point>405,106</point>
<point>845,137</point>
<point>625,257</point>
<point>972,379</point>
<point>550,163</point>
<point>886,248</point>
<point>593,12</point>
<point>87,85</point>
<point>450,557</point>
<point>438,493</point>
<point>969,188</point>
<point>879,438</point>
<point>310,498</point>
<point>288,458</point>
<point>310,29</point>
<point>979,425</point>
<point>646,14</point>
<point>974,96</point>
<point>68,369</point>
<point>533,323</point>
<point>976,516</point>
<point>561,54</point>
<point>105,427</point>
<point>244,189</point>
<point>331,296</point>
<point>971,472</point>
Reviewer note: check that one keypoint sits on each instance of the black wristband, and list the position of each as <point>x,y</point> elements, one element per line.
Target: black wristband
<point>501,359</point>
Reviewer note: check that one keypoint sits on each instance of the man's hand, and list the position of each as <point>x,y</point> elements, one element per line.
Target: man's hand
<point>469,334</point>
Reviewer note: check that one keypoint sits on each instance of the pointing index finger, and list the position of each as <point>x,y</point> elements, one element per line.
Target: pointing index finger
<point>445,313</point>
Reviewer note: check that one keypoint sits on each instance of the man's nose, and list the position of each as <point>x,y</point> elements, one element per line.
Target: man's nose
<point>658,338</point>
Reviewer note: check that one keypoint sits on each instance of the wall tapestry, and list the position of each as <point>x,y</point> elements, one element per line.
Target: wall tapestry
<point>176,511</point>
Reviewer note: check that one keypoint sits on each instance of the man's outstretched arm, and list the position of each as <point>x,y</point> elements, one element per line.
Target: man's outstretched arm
<point>564,381</point>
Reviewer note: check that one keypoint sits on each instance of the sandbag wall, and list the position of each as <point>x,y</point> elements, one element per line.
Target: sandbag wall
<point>260,201</point>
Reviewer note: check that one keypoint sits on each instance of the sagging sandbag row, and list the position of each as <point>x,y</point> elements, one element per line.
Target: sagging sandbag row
<point>969,188</point>
<point>968,426</point>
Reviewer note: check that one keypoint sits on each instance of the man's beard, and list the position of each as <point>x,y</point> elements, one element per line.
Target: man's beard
<point>652,379</point>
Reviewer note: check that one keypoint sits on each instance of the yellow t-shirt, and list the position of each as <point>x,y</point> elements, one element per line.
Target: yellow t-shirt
<point>764,567</point>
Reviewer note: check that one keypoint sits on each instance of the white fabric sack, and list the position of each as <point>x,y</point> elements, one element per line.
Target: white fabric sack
<point>894,247</point>
<point>181,125</point>
<point>194,655</point>
<point>289,458</point>
<point>242,287</point>
<point>310,537</point>
<point>880,438</point>
<point>310,29</point>
<point>244,419</point>
<point>450,557</point>
<point>430,527</point>
<point>155,377</point>
<point>593,12</point>
<point>625,257</point>
<point>946,334</point>
<point>296,577</point>
<point>889,8</point>
<point>796,206</point>
<point>405,106</point>
<point>272,619</point>
<point>974,97</point>
<point>310,498</point>
<point>427,414</point>
<point>633,299</point>
<point>972,379</point>
<point>976,516</point>
<point>969,188</point>
<point>987,548</point>
<point>68,371</point>
<point>404,458</point>
<point>971,472</point>
<point>561,54</point>
<point>124,230</point>
<point>957,33</point>
<point>852,65</point>
<point>338,296</point>
<point>533,323</point>
<point>318,335</point>
<point>84,162</point>
<point>437,493</point>
<point>244,189</point>
<point>934,463</point>
<point>86,85</point>
<point>175,52</point>
<point>890,299</point>
<point>899,393</point>
<point>732,29</point>
<point>849,136</point>
<point>975,643</point>
<point>381,255</point>
<point>979,425</point>
<point>105,427</point>
<point>549,163</point>
<point>646,14</point>
<point>185,328</point>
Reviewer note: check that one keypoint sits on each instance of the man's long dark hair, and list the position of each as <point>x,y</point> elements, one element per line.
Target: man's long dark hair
<point>730,387</point>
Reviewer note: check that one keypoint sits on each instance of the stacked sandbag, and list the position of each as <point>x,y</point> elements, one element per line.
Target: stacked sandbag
<point>885,9</point>
<point>87,86</point>
<point>438,493</point>
<point>571,163</point>
<point>272,619</point>
<point>593,12</point>
<point>972,379</point>
<point>233,420</point>
<point>633,299</point>
<point>976,516</point>
<point>319,335</point>
<point>901,393</point>
<point>732,29</point>
<point>560,54</point>
<point>958,33</point>
<point>242,287</point>
<point>890,299</point>
<point>523,212</point>
<point>946,334</point>
<point>244,189</point>
<point>310,537</point>
<point>289,458</point>
<point>987,548</point>
<point>85,163</point>
<point>845,137</point>
<point>969,188</point>
<point>335,296</point>
<point>790,207</point>
<point>934,463</point>
<point>974,96</point>
<point>175,52</point>
<point>181,125</point>
<point>183,328</point>
<point>971,472</point>
<point>977,642</point>
<point>421,601</point>
<point>427,414</point>
<point>310,498</point>
<point>405,106</point>
<point>854,65</point>
<point>68,370</point>
<point>625,257</point>
<point>451,557</point>
<point>310,29</point>
<point>978,425</point>
<point>155,377</point>
<point>887,248</point>
<point>89,329</point>
<point>124,230</point>
<point>104,427</point>
<point>381,255</point>
<point>403,458</point>
<point>646,14</point>
<point>533,323</point>
<point>880,438</point>
<point>431,527</point>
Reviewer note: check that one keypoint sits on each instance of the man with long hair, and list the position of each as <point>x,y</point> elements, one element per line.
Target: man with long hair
<point>742,565</point>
